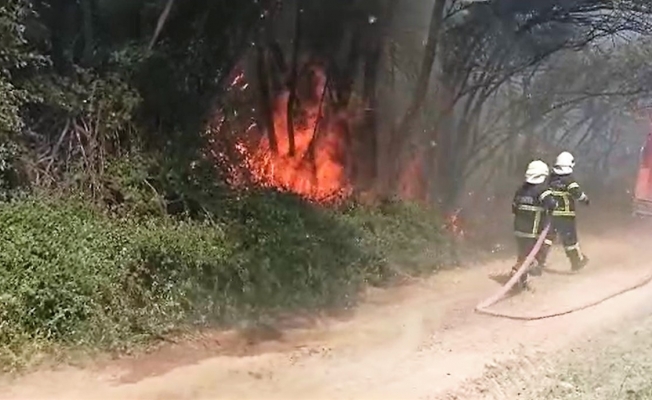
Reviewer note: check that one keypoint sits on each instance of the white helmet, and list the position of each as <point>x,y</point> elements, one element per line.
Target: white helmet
<point>537,172</point>
<point>564,164</point>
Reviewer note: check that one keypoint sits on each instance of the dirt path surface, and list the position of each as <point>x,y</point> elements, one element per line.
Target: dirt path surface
<point>419,341</point>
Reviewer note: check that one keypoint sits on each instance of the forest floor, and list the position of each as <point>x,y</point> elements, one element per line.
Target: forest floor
<point>421,340</point>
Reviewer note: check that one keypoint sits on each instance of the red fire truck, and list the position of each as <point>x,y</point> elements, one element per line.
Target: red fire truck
<point>643,188</point>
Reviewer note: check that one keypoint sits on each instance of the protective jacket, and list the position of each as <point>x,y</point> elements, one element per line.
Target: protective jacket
<point>566,192</point>
<point>531,206</point>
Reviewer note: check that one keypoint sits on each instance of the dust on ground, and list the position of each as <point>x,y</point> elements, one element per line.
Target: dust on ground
<point>418,341</point>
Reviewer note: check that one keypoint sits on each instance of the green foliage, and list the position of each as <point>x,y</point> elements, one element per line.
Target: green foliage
<point>164,243</point>
<point>407,236</point>
<point>107,99</point>
<point>15,57</point>
<point>10,182</point>
<point>73,276</point>
<point>91,121</point>
<point>10,102</point>
<point>15,52</point>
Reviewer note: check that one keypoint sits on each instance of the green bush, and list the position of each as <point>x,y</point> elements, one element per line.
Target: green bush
<point>406,236</point>
<point>73,276</point>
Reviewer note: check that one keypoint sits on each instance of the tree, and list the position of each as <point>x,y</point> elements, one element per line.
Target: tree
<point>486,45</point>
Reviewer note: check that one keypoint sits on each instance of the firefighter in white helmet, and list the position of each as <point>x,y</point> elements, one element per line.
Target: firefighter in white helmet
<point>531,207</point>
<point>565,189</point>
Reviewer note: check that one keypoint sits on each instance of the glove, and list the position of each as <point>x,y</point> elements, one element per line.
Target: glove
<point>586,200</point>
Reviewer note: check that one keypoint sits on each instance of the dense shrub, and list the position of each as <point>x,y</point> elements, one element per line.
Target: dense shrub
<point>71,275</point>
<point>157,240</point>
<point>407,236</point>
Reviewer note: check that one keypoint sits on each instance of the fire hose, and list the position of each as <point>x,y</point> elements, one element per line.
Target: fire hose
<point>483,307</point>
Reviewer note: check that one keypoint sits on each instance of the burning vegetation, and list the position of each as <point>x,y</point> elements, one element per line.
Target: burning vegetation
<point>303,152</point>
<point>314,168</point>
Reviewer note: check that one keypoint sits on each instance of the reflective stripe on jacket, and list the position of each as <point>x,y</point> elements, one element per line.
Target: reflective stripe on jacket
<point>566,192</point>
<point>531,206</point>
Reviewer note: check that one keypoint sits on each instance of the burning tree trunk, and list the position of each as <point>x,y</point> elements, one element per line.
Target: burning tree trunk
<point>294,76</point>
<point>266,56</point>
<point>265,97</point>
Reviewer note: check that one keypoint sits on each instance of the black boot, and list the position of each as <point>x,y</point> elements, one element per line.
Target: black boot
<point>522,281</point>
<point>576,258</point>
<point>579,264</point>
<point>542,257</point>
<point>536,269</point>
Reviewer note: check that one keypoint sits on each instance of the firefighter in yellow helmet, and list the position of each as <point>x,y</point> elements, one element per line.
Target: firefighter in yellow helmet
<point>531,206</point>
<point>565,189</point>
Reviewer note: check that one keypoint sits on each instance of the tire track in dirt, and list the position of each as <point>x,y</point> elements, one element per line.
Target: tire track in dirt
<point>421,341</point>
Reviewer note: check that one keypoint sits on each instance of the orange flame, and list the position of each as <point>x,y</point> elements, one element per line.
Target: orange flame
<point>316,174</point>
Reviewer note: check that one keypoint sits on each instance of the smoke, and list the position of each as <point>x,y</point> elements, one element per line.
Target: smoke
<point>495,100</point>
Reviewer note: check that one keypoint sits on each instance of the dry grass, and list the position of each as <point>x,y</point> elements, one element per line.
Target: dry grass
<point>617,366</point>
<point>613,365</point>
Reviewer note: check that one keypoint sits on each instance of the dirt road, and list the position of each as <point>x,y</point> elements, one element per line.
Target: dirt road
<point>419,341</point>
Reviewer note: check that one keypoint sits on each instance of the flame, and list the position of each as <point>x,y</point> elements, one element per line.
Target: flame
<point>238,80</point>
<point>454,225</point>
<point>317,175</point>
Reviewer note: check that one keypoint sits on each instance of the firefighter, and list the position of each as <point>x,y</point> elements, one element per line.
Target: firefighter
<point>566,191</point>
<point>531,207</point>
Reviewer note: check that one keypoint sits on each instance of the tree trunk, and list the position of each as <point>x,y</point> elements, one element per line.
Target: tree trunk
<point>265,97</point>
<point>400,134</point>
<point>376,39</point>
<point>444,187</point>
<point>423,80</point>
<point>88,8</point>
<point>63,26</point>
<point>294,76</point>
<point>162,19</point>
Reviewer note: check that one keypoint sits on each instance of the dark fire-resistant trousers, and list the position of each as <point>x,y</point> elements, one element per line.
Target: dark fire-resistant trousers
<point>525,246</point>
<point>565,229</point>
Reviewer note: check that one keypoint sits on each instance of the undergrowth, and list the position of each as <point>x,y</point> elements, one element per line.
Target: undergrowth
<point>616,366</point>
<point>158,243</point>
<point>75,276</point>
